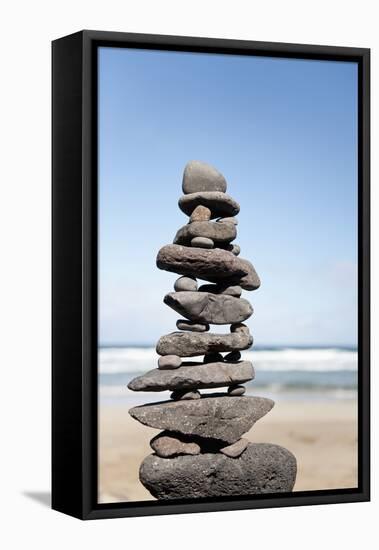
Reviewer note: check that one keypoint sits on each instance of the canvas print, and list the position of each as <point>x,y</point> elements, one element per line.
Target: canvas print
<point>227,266</point>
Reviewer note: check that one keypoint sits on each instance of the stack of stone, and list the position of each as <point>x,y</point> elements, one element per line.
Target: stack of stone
<point>201,452</point>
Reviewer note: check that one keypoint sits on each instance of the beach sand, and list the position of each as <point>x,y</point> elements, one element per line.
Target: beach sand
<point>322,436</point>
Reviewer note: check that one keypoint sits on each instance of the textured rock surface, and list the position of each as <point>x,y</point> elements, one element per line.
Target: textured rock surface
<point>218,232</point>
<point>205,307</point>
<point>233,290</point>
<point>232,220</point>
<point>220,204</point>
<point>200,214</point>
<point>226,418</point>
<point>214,265</point>
<point>236,449</point>
<point>236,390</point>
<point>183,324</point>
<point>190,344</point>
<point>168,444</point>
<point>213,375</point>
<point>262,468</point>
<point>200,176</point>
<point>169,362</point>
<point>202,242</point>
<point>185,284</point>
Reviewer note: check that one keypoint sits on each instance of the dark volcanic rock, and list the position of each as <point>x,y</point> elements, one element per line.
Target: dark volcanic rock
<point>183,324</point>
<point>214,265</point>
<point>220,204</point>
<point>167,444</point>
<point>200,176</point>
<point>213,375</point>
<point>204,307</point>
<point>191,344</point>
<point>217,232</point>
<point>226,418</point>
<point>213,358</point>
<point>261,469</point>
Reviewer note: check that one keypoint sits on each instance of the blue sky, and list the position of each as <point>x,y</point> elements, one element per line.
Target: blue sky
<point>284,134</point>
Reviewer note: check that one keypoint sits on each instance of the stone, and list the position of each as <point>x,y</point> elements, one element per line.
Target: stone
<point>185,284</point>
<point>235,249</point>
<point>200,214</point>
<point>213,358</point>
<point>202,242</point>
<point>236,390</point>
<point>232,356</point>
<point>215,266</point>
<point>239,328</point>
<point>183,324</point>
<point>177,394</point>
<point>200,176</point>
<point>191,344</point>
<point>204,307</point>
<point>217,232</point>
<point>236,449</point>
<point>225,418</point>
<point>169,362</point>
<point>167,444</point>
<point>262,468</point>
<point>229,220</point>
<point>233,290</point>
<point>220,204</point>
<point>213,375</point>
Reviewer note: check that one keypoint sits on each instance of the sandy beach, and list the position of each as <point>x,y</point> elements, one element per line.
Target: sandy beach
<point>321,434</point>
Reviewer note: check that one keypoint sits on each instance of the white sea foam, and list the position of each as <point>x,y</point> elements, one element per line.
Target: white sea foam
<point>120,360</point>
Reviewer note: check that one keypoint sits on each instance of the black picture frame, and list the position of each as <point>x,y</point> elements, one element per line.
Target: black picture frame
<point>74,273</point>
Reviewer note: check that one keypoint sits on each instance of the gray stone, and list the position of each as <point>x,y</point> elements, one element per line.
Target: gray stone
<point>200,214</point>
<point>167,444</point>
<point>217,232</point>
<point>213,358</point>
<point>216,265</point>
<point>239,328</point>
<point>235,249</point>
<point>233,290</point>
<point>261,469</point>
<point>204,307</point>
<point>236,449</point>
<point>185,284</point>
<point>230,220</point>
<point>213,375</point>
<point>200,176</point>
<point>169,362</point>
<point>236,390</point>
<point>177,394</point>
<point>202,242</point>
<point>220,204</point>
<point>183,324</point>
<point>225,418</point>
<point>191,344</point>
<point>232,356</point>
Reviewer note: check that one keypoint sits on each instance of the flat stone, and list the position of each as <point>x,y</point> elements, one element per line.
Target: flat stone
<point>200,176</point>
<point>213,358</point>
<point>191,344</point>
<point>202,242</point>
<point>167,444</point>
<point>204,307</point>
<point>262,468</point>
<point>213,375</point>
<point>200,214</point>
<point>185,284</point>
<point>236,390</point>
<point>236,449</point>
<point>183,324</point>
<point>169,362</point>
<point>230,220</point>
<point>177,394</point>
<point>217,232</point>
<point>232,356</point>
<point>225,418</point>
<point>216,265</point>
<point>220,204</point>
<point>233,290</point>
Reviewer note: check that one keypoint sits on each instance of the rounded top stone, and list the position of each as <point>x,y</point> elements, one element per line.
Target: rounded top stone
<point>200,176</point>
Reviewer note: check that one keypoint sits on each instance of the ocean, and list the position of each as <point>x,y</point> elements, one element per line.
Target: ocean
<point>285,373</point>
